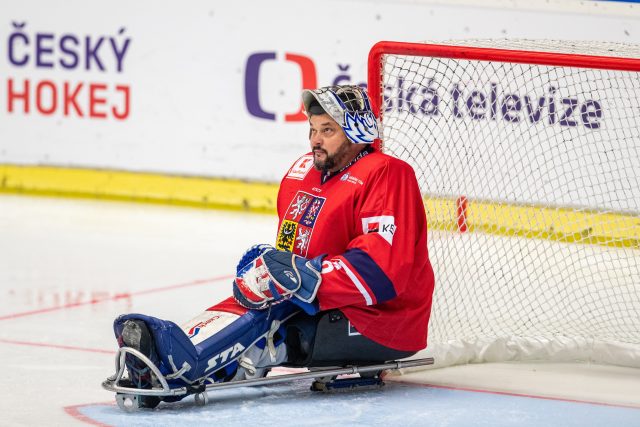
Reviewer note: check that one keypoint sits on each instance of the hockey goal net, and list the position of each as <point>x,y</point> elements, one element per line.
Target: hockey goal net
<point>528,157</point>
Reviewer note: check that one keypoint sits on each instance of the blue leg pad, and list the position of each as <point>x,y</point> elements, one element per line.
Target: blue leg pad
<point>211,343</point>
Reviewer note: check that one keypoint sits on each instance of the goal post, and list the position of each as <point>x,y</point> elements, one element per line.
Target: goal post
<point>528,157</point>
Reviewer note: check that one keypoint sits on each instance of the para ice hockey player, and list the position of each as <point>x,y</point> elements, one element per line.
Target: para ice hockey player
<point>348,281</point>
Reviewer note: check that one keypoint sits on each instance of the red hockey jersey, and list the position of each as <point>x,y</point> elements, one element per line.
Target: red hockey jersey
<point>370,221</point>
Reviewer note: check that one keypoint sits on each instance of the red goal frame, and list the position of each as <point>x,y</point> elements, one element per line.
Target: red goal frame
<point>382,48</point>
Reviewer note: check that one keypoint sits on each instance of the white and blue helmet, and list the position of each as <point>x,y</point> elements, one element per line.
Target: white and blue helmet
<point>349,106</point>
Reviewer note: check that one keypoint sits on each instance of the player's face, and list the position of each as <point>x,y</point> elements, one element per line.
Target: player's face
<point>331,148</point>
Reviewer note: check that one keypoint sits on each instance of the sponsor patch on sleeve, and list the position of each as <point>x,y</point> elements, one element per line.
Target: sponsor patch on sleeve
<point>301,168</point>
<point>383,225</point>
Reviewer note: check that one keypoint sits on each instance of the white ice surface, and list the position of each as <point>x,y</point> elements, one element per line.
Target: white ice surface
<point>58,252</point>
<point>69,267</point>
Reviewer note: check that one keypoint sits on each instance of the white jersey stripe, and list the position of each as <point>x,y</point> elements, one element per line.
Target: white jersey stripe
<point>357,283</point>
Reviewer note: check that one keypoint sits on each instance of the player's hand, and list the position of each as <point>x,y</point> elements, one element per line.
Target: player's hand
<point>267,276</point>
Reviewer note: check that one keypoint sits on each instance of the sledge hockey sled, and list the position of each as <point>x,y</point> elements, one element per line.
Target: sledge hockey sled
<point>130,398</point>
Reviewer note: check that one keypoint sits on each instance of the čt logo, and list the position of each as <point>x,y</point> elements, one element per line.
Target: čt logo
<point>252,82</point>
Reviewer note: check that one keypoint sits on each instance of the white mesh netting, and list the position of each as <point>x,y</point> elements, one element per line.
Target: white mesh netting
<point>548,159</point>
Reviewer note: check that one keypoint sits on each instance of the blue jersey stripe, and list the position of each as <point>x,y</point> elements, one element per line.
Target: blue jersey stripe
<point>372,274</point>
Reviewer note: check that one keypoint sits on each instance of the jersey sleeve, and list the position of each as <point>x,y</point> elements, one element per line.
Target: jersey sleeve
<point>377,264</point>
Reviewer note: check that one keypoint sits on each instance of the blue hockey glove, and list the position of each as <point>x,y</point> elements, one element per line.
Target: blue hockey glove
<point>274,276</point>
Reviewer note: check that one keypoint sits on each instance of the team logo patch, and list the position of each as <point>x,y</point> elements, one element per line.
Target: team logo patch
<point>297,225</point>
<point>383,225</point>
<point>301,168</point>
<point>287,235</point>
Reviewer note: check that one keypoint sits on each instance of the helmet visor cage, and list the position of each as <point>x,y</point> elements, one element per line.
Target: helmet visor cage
<point>349,106</point>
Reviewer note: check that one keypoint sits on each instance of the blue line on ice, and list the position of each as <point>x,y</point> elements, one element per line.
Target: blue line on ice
<point>393,405</point>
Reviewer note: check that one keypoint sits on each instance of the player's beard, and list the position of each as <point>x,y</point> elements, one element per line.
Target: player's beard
<point>331,160</point>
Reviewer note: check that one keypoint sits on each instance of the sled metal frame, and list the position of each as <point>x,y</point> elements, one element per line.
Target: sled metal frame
<point>113,382</point>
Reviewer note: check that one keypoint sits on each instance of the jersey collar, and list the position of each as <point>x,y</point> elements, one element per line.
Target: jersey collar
<point>327,175</point>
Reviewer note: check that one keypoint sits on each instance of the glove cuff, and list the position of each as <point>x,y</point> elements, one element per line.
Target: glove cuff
<point>312,270</point>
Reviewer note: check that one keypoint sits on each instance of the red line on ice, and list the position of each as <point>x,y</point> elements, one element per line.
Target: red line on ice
<point>74,411</point>
<point>506,393</point>
<point>113,298</point>
<point>58,346</point>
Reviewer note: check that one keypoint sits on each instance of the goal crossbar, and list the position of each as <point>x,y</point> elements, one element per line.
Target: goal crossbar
<point>486,54</point>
